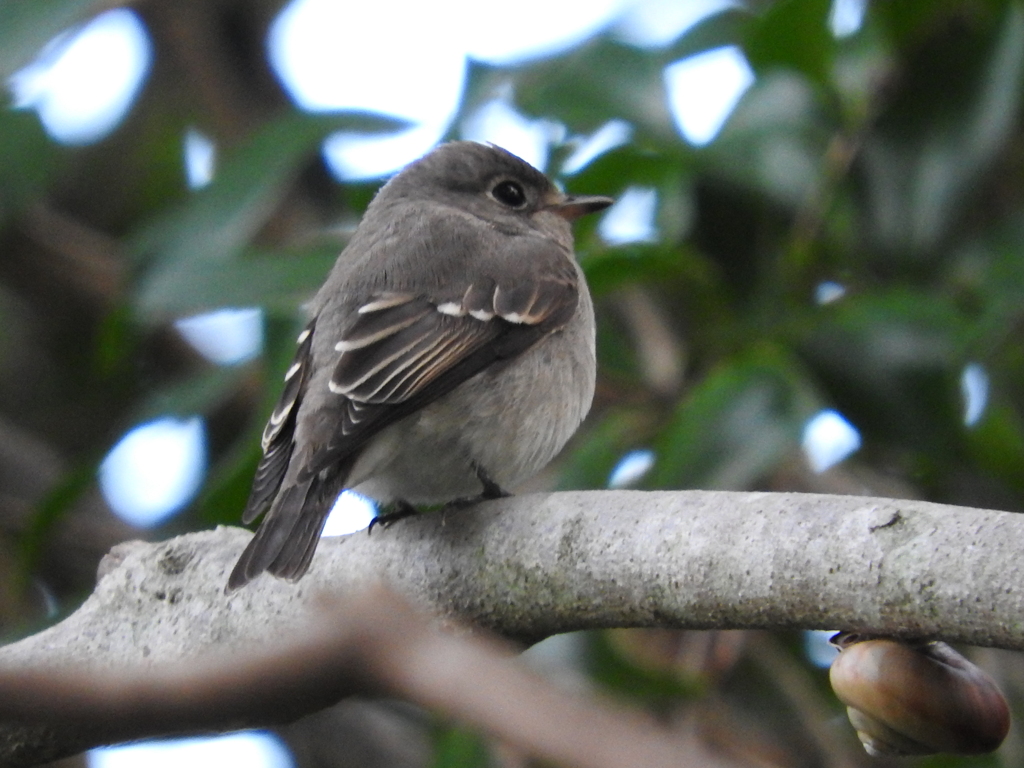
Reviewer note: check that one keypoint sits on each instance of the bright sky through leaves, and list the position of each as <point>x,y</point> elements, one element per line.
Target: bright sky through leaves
<point>225,336</point>
<point>974,385</point>
<point>84,83</point>
<point>703,90</point>
<point>154,470</point>
<point>631,468</point>
<point>248,749</point>
<point>200,158</point>
<point>828,439</point>
<point>631,218</point>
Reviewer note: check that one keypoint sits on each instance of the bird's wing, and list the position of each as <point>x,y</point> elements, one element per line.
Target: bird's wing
<point>405,351</point>
<point>400,351</point>
<point>278,434</point>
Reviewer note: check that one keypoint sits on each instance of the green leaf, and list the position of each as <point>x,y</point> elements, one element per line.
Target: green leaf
<point>956,111</point>
<point>621,673</point>
<point>228,483</point>
<point>599,447</point>
<point>27,25</point>
<point>198,394</point>
<point>28,158</point>
<point>775,140</point>
<point>50,511</point>
<point>215,224</point>
<point>281,281</point>
<point>736,425</point>
<point>875,335</point>
<point>906,22</point>
<point>627,166</point>
<point>585,88</point>
<point>458,747</point>
<point>116,343</point>
<point>729,27</point>
<point>892,361</point>
<point>793,34</point>
<point>996,444</point>
<point>636,262</point>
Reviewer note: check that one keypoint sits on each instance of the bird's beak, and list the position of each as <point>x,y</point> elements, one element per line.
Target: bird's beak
<point>571,207</point>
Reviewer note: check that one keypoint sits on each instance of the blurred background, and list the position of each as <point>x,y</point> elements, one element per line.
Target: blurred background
<point>813,280</point>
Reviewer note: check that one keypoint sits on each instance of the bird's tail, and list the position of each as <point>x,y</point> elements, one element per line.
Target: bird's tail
<point>287,537</point>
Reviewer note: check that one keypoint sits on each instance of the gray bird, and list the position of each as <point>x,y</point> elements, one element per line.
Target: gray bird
<point>450,354</point>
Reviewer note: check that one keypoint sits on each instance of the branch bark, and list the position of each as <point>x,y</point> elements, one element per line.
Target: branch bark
<point>532,566</point>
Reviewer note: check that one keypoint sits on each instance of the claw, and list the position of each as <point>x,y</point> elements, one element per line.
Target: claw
<point>400,509</point>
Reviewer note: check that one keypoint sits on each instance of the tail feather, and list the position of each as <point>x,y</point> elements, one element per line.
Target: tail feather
<point>273,536</point>
<point>287,537</point>
<point>293,560</point>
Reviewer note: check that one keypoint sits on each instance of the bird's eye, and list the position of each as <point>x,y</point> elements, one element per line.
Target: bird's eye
<point>509,193</point>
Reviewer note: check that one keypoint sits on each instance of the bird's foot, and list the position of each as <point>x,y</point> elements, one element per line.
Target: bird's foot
<point>397,510</point>
<point>491,490</point>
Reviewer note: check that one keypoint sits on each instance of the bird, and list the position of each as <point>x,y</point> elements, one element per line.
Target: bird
<point>450,354</point>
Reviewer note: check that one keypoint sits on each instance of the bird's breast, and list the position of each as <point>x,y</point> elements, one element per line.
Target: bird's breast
<point>510,419</point>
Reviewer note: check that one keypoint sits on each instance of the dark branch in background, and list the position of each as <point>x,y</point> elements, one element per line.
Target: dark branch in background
<point>536,565</point>
<point>370,644</point>
<point>84,257</point>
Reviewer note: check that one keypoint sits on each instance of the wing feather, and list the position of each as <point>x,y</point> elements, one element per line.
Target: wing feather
<point>277,435</point>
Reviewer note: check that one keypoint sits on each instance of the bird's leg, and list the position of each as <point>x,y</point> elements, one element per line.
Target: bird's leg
<point>491,490</point>
<point>398,509</point>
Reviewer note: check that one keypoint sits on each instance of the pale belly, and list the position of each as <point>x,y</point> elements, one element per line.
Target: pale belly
<point>511,430</point>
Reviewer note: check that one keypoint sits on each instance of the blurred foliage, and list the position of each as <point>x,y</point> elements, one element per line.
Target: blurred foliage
<point>888,162</point>
<point>456,747</point>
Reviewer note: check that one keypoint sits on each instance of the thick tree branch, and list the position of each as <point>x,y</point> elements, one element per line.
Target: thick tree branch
<point>532,566</point>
